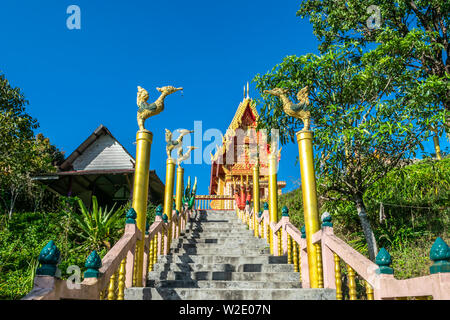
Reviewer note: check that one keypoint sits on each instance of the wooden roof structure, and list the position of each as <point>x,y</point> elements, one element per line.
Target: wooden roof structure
<point>100,166</point>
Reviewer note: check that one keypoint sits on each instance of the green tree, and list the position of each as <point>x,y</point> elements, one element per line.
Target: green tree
<point>408,35</point>
<point>360,132</point>
<point>16,132</point>
<point>21,154</point>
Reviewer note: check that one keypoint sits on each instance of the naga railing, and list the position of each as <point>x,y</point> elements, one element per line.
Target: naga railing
<point>107,278</point>
<point>377,278</point>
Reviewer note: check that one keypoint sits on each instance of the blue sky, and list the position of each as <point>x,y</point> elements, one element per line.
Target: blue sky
<point>76,80</point>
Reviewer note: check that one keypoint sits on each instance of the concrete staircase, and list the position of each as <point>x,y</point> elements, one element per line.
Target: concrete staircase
<point>218,258</point>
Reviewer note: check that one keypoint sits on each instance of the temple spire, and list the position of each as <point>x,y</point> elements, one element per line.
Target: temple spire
<point>248,97</point>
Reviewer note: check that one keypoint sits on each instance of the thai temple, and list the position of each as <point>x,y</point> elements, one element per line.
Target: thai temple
<point>233,162</point>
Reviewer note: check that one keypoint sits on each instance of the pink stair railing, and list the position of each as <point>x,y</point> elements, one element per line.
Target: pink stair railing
<point>380,283</point>
<point>117,270</point>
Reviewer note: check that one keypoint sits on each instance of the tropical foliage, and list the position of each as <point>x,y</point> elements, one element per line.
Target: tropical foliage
<point>99,225</point>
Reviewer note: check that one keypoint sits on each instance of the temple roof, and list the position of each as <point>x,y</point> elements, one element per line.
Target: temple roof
<point>239,115</point>
<point>247,108</point>
<point>245,117</point>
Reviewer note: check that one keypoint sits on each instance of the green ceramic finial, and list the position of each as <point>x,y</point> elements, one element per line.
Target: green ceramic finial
<point>440,254</point>
<point>326,220</point>
<point>247,202</point>
<point>303,231</point>
<point>260,214</point>
<point>147,226</point>
<point>177,212</point>
<point>187,191</point>
<point>49,259</point>
<point>131,216</point>
<point>191,202</point>
<point>165,218</point>
<point>194,188</point>
<point>159,210</point>
<point>266,206</point>
<point>383,260</point>
<point>93,263</point>
<point>285,212</point>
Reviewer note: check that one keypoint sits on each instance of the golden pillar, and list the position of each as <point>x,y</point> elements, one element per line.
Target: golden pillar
<point>144,140</point>
<point>179,189</point>
<point>273,195</point>
<point>168,196</point>
<point>168,192</point>
<point>256,199</point>
<point>311,213</point>
<point>179,197</point>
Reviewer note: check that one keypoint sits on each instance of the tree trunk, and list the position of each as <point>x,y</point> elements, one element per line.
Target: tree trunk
<point>367,229</point>
<point>447,129</point>
<point>14,195</point>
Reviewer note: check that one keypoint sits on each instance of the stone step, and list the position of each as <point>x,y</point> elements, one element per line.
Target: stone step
<point>218,258</point>
<point>230,259</point>
<point>228,233</point>
<point>217,217</point>
<point>218,236</point>
<point>222,233</point>
<point>216,239</point>
<point>224,275</point>
<point>225,267</point>
<point>224,228</point>
<point>226,294</point>
<point>212,251</point>
<point>222,247</point>
<point>217,227</point>
<point>218,231</point>
<point>218,222</point>
<point>219,284</point>
<point>237,240</point>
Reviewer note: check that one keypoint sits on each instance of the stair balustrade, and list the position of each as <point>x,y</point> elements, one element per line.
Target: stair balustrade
<point>107,278</point>
<point>377,277</point>
<point>214,202</point>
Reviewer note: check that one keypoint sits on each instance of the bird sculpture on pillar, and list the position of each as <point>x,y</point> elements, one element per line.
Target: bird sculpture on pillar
<point>294,110</point>
<point>175,144</point>
<point>181,157</point>
<point>147,110</point>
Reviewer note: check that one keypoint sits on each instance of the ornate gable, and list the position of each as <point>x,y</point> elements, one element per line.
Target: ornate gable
<point>246,111</point>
